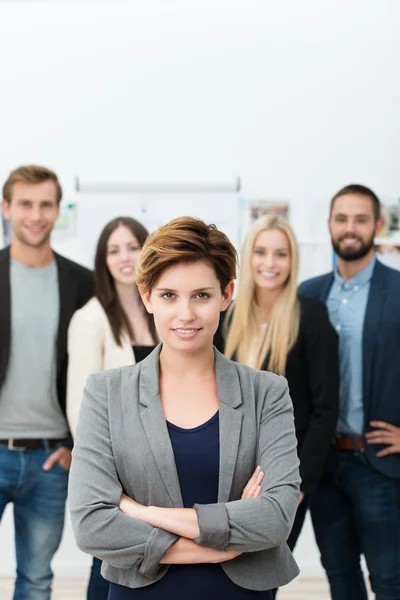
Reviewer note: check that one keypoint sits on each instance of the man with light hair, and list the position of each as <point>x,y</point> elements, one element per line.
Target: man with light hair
<point>40,291</point>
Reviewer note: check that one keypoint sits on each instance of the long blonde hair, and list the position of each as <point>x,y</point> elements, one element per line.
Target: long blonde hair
<point>245,336</point>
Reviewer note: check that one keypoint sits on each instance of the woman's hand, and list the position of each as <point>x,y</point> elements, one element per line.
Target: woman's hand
<point>253,487</point>
<point>183,521</point>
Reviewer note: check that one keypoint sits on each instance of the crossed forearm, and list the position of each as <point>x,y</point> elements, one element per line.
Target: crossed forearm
<point>186,552</point>
<point>184,522</point>
<point>181,521</point>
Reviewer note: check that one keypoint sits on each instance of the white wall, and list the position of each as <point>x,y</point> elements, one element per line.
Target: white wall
<point>298,98</point>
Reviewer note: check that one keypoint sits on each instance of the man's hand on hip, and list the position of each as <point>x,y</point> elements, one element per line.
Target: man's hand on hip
<point>387,434</point>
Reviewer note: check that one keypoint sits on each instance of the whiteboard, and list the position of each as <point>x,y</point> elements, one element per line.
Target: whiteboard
<point>94,210</point>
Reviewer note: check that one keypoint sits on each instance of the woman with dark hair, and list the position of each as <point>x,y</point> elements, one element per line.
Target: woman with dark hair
<point>112,330</point>
<point>167,481</point>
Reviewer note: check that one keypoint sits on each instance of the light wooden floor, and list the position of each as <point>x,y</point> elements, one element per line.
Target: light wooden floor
<point>74,589</point>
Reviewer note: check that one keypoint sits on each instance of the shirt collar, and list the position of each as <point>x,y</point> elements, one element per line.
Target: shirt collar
<point>360,279</point>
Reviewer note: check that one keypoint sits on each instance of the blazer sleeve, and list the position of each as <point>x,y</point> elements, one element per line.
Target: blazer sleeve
<point>265,522</point>
<point>85,356</point>
<point>100,528</point>
<point>86,287</point>
<point>322,357</point>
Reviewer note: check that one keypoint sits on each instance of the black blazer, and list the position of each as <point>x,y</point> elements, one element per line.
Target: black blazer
<point>312,372</point>
<point>75,288</point>
<point>381,355</point>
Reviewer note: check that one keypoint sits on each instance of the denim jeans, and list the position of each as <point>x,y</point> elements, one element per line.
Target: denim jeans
<point>39,505</point>
<point>355,511</point>
<point>98,586</point>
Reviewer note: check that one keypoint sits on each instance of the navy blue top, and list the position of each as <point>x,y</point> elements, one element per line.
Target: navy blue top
<point>197,461</point>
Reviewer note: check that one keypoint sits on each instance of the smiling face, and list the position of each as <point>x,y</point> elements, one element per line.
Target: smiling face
<point>271,260</point>
<point>32,211</point>
<point>186,302</point>
<point>353,226</point>
<point>123,251</point>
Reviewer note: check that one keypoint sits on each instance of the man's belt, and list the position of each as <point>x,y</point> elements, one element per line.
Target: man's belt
<point>29,444</point>
<point>348,442</point>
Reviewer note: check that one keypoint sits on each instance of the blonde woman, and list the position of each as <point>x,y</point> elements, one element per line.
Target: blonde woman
<point>272,327</point>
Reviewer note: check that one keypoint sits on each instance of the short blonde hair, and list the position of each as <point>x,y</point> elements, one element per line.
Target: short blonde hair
<point>185,240</point>
<point>30,174</point>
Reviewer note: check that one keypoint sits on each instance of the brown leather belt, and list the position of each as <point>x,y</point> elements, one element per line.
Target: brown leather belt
<point>29,444</point>
<point>344,442</point>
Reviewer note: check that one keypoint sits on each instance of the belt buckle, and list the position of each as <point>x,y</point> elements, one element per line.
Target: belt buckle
<point>358,450</point>
<point>11,446</point>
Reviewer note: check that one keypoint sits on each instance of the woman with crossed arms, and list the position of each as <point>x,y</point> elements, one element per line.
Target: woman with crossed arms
<point>184,478</point>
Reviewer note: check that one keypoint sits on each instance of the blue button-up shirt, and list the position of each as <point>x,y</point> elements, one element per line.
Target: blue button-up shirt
<point>347,303</point>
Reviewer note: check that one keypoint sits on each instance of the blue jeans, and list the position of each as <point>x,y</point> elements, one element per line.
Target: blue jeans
<point>39,504</point>
<point>355,511</point>
<point>98,586</point>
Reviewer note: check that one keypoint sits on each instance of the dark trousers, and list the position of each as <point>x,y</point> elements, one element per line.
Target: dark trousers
<point>296,529</point>
<point>98,587</point>
<point>355,511</point>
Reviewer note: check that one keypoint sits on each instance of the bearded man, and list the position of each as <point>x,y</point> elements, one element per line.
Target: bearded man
<point>356,510</point>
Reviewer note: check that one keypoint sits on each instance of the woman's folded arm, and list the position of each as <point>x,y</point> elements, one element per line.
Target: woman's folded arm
<point>249,524</point>
<point>100,528</point>
<point>260,523</point>
<point>186,552</point>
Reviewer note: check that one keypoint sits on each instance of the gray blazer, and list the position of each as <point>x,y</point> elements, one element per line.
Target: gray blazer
<point>122,445</point>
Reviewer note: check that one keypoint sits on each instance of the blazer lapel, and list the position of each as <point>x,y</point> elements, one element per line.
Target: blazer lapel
<point>326,286</point>
<point>230,422</point>
<point>5,311</point>
<point>155,426</point>
<point>67,298</point>
<point>372,319</point>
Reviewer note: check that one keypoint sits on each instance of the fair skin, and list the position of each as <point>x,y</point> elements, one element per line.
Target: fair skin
<point>186,303</point>
<point>352,224</point>
<point>33,211</point>
<point>185,551</point>
<point>387,434</point>
<point>123,252</point>
<point>270,265</point>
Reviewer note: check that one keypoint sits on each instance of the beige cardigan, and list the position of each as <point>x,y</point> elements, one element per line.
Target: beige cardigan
<point>91,348</point>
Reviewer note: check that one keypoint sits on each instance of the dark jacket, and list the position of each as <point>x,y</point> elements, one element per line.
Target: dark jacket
<point>381,354</point>
<point>312,371</point>
<point>75,289</point>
